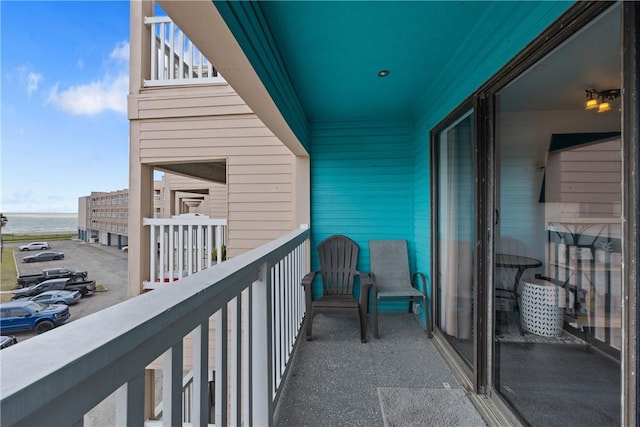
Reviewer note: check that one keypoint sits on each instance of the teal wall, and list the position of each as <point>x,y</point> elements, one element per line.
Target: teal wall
<point>362,186</point>
<point>362,183</point>
<point>371,179</point>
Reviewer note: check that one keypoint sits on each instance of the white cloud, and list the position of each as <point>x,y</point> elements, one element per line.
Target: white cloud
<point>120,52</point>
<point>93,98</point>
<point>107,94</point>
<point>33,80</point>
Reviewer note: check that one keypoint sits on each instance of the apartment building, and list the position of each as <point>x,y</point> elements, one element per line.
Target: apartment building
<point>103,217</point>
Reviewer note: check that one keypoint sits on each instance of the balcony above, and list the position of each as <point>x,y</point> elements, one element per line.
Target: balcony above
<point>175,60</point>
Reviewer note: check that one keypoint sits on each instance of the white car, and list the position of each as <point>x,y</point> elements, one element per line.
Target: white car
<point>35,246</point>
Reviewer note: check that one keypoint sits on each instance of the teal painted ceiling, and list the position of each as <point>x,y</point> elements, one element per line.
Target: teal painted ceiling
<point>320,59</point>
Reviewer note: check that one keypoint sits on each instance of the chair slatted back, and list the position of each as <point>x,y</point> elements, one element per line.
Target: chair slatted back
<point>338,258</point>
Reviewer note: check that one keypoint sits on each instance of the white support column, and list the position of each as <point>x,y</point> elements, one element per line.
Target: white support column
<point>172,386</point>
<point>130,402</point>
<point>200,411</point>
<point>261,361</point>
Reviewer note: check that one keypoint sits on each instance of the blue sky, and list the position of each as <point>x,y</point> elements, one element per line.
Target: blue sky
<point>63,88</point>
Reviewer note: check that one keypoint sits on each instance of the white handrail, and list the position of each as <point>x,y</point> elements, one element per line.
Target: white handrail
<point>90,358</point>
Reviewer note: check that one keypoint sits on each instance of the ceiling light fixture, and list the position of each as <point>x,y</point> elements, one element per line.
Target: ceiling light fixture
<point>600,100</point>
<point>383,73</point>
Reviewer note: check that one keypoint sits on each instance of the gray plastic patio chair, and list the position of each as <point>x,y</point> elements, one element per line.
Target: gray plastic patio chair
<point>338,258</point>
<point>391,279</point>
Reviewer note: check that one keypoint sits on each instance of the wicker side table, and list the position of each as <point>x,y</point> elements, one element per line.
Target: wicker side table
<point>542,308</point>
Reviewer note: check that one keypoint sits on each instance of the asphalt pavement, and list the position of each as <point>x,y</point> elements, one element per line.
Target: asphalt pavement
<point>107,265</point>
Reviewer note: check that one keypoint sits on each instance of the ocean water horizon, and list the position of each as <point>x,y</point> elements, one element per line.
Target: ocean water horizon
<point>40,222</point>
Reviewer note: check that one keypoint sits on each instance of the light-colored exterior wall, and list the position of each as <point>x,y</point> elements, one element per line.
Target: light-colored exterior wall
<point>207,130</point>
<point>109,213</point>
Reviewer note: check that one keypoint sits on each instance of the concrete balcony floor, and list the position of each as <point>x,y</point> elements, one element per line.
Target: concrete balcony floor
<point>397,380</point>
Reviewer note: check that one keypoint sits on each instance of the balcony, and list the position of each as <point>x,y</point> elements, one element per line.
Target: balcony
<point>182,246</point>
<point>256,306</point>
<point>175,60</point>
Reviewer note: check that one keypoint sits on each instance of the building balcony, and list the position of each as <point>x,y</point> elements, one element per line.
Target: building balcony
<point>175,60</point>
<point>252,308</point>
<point>182,246</point>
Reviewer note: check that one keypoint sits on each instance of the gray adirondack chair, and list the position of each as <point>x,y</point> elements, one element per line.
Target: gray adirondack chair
<point>338,258</point>
<point>391,279</point>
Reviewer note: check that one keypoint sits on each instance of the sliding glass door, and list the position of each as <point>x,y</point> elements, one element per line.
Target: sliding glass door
<point>456,231</point>
<point>558,241</point>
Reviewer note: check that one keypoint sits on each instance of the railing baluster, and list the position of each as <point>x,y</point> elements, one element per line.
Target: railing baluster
<point>200,387</point>
<point>172,386</point>
<point>163,53</point>
<point>191,47</point>
<point>172,254</point>
<point>199,247</point>
<point>221,348</point>
<point>181,55</point>
<point>171,51</point>
<point>152,252</point>
<point>261,358</point>
<point>130,402</point>
<point>247,356</point>
<point>180,250</point>
<point>154,52</point>
<point>236,361</point>
<point>210,246</point>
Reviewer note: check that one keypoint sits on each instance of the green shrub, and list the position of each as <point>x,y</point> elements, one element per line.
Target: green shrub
<point>214,253</point>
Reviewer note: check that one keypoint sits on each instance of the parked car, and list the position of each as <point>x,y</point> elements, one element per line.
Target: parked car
<point>31,315</point>
<point>34,246</point>
<point>25,280</point>
<point>125,249</point>
<point>83,286</point>
<point>7,341</point>
<point>58,297</point>
<point>43,256</point>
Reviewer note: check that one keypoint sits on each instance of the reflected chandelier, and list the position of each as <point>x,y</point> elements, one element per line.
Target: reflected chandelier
<point>600,100</point>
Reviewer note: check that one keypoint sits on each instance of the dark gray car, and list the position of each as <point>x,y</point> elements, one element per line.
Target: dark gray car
<point>43,256</point>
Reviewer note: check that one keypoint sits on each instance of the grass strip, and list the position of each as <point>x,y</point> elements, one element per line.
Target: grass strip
<point>22,237</point>
<point>8,273</point>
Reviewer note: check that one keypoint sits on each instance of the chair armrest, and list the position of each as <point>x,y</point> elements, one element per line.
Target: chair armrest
<point>308,293</point>
<point>422,279</point>
<point>308,278</point>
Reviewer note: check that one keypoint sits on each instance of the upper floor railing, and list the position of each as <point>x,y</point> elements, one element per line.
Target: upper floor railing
<point>258,306</point>
<point>175,60</point>
<point>183,245</point>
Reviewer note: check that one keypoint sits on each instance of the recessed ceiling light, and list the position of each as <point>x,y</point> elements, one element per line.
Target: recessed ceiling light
<point>383,73</point>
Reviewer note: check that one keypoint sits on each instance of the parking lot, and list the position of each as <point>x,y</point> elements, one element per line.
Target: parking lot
<point>107,265</point>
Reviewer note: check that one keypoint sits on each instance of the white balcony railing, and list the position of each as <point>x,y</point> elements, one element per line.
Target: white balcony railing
<point>258,306</point>
<point>175,60</point>
<point>183,245</point>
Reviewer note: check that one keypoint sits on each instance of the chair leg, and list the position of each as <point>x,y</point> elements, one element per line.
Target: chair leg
<point>362,314</point>
<point>309,324</point>
<point>427,317</point>
<point>375,317</point>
